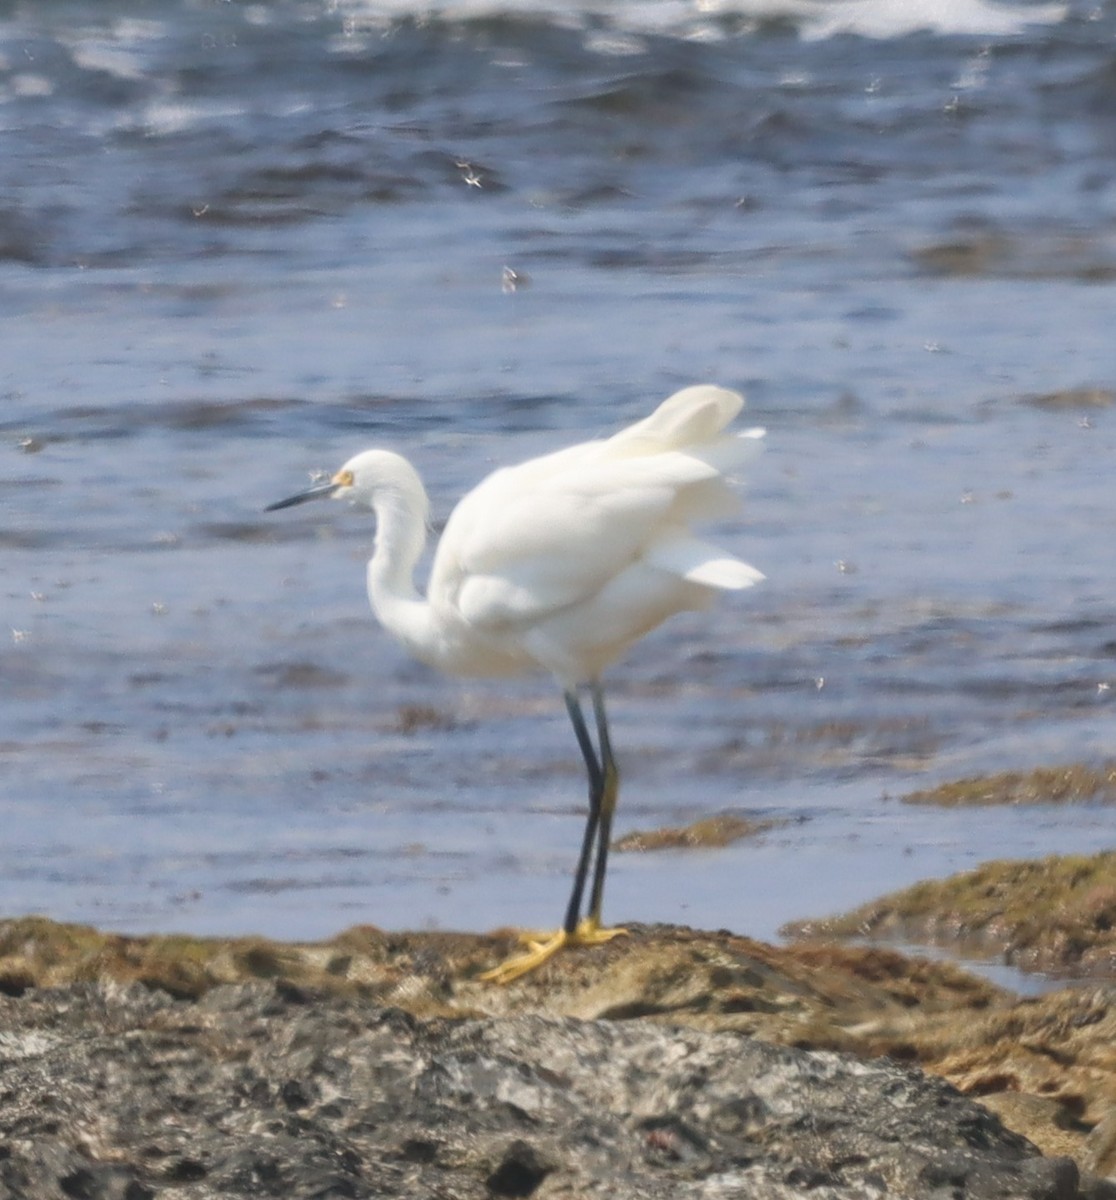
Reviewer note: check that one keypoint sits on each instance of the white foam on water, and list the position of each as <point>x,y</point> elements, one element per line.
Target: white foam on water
<point>816,19</point>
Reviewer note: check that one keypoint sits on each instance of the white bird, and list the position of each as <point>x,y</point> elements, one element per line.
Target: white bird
<point>560,563</point>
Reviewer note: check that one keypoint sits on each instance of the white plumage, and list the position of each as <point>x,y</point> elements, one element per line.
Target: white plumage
<point>560,563</point>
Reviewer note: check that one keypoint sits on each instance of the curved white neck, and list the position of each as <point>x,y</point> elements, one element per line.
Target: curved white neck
<point>400,540</point>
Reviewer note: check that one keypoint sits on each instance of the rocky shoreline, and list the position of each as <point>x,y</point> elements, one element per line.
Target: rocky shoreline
<point>121,1092</point>
<point>669,1063</point>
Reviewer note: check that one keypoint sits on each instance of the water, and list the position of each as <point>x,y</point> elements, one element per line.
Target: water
<point>240,242</point>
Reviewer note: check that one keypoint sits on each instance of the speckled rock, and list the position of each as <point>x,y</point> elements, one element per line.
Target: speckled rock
<point>119,1092</point>
<point>1045,1065</point>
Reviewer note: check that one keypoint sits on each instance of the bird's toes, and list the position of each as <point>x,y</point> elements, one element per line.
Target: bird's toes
<point>590,932</point>
<point>533,937</point>
<point>539,951</point>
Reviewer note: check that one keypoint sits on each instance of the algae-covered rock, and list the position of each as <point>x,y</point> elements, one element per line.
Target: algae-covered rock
<point>707,833</point>
<point>1074,783</point>
<point>1055,914</point>
<point>861,1001</point>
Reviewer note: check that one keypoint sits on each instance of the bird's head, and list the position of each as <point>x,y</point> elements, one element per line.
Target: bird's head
<point>367,478</point>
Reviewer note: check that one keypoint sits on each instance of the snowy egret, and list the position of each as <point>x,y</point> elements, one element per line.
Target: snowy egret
<point>560,563</point>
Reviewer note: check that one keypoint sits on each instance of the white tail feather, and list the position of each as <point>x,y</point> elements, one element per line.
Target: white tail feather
<point>697,561</point>
<point>689,418</point>
<point>727,453</point>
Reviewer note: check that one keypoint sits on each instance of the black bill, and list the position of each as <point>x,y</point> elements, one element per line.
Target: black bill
<point>317,492</point>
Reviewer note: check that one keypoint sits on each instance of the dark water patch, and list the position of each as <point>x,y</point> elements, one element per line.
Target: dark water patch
<point>300,675</point>
<point>1032,254</point>
<point>247,207</point>
<point>414,717</point>
<point>127,419</point>
<point>963,257</point>
<point>292,188</point>
<point>29,483</point>
<point>204,415</point>
<point>393,416</point>
<point>272,885</point>
<point>1087,624</point>
<point>22,237</point>
<point>1073,399</point>
<point>648,257</point>
<point>236,531</point>
<point>592,195</point>
<point>662,94</point>
<point>32,539</point>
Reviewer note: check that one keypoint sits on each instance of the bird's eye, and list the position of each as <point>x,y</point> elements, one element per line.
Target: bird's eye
<point>343,479</point>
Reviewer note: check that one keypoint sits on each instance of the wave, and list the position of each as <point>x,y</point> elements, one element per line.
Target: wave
<point>613,25</point>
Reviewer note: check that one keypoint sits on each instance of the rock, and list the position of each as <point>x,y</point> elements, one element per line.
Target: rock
<point>981,249</point>
<point>1025,1110</point>
<point>721,829</point>
<point>1059,1048</point>
<point>1068,783</point>
<point>1055,914</point>
<point>1100,1147</point>
<point>120,1092</point>
<point>1046,1065</point>
<point>1074,398</point>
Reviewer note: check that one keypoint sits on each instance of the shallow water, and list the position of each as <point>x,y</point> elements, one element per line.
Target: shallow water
<point>238,243</point>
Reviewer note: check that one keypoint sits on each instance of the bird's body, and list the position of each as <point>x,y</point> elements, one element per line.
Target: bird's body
<point>560,564</point>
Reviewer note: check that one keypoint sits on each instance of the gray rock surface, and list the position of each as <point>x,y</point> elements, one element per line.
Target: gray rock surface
<point>112,1092</point>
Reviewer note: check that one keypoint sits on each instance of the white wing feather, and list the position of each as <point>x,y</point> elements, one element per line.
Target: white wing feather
<point>537,538</point>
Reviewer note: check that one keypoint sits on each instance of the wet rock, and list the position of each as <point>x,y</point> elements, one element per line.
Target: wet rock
<point>722,829</point>
<point>1074,783</point>
<point>520,1172</point>
<point>414,717</point>
<point>1100,1148</point>
<point>1047,1066</point>
<point>121,1091</point>
<point>298,675</point>
<point>985,251</point>
<point>810,991</point>
<point>966,256</point>
<point>1059,1048</point>
<point>1074,399</point>
<point>1056,914</point>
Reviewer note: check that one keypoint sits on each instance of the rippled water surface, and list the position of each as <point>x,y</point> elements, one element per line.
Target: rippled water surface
<point>240,242</point>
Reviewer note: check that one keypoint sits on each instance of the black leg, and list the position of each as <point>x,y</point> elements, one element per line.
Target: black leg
<point>603,783</point>
<point>592,822</point>
<point>609,787</point>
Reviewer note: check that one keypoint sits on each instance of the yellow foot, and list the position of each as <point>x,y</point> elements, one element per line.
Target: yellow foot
<point>590,932</point>
<point>543,946</point>
<point>538,952</point>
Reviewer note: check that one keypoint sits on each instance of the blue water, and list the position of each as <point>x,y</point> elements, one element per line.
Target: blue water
<point>240,242</point>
